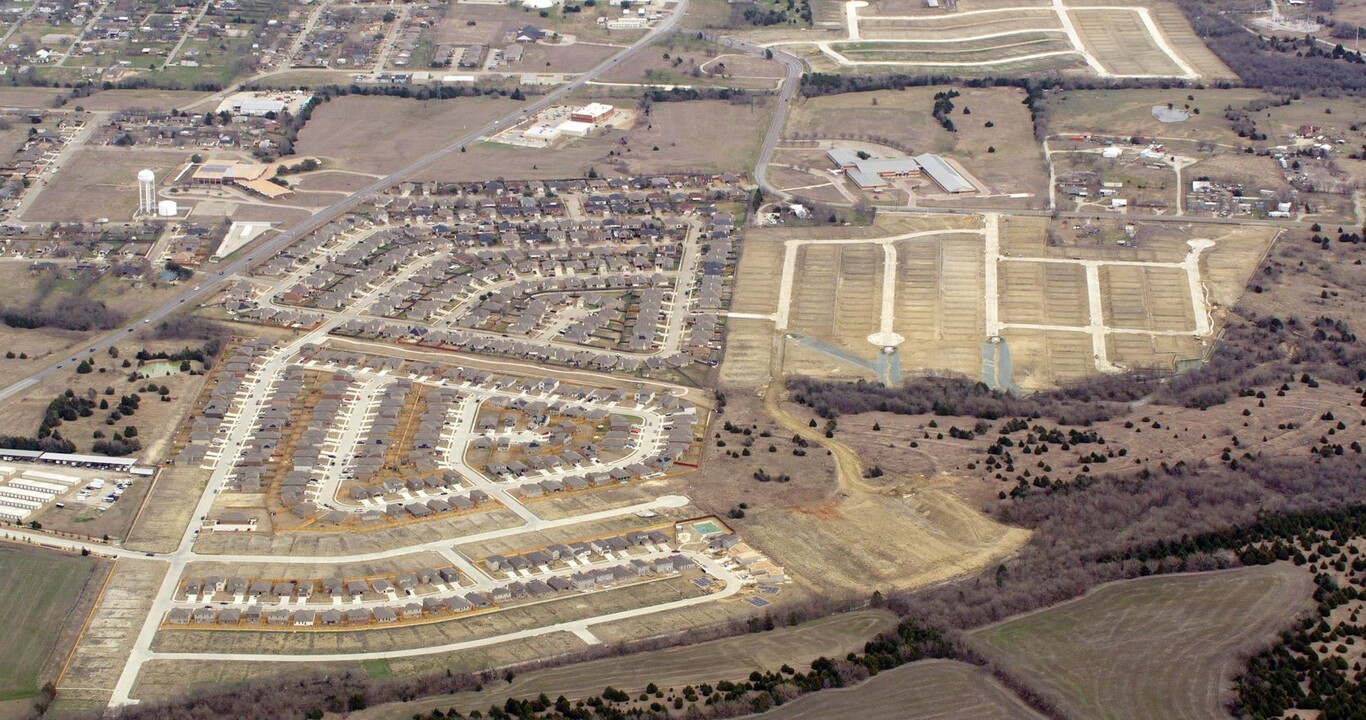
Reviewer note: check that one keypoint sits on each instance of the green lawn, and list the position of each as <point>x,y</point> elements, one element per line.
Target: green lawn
<point>38,590</point>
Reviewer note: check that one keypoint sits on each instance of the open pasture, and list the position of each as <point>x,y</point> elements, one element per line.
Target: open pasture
<point>1161,647</point>
<point>674,136</point>
<point>382,134</point>
<point>38,589</point>
<point>1129,112</point>
<point>937,689</point>
<point>99,183</point>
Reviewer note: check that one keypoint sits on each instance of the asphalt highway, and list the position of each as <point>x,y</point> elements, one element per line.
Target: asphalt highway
<point>205,281</point>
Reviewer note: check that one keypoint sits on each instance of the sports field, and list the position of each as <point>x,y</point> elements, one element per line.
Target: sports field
<point>1155,648</point>
<point>39,590</point>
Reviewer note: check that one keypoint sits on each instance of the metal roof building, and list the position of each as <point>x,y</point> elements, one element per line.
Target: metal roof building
<point>943,174</point>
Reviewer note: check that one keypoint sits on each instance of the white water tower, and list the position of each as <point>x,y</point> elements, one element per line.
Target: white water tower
<point>147,193</point>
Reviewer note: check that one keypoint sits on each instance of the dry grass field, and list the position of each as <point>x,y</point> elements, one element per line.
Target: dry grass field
<point>100,654</point>
<point>1162,647</point>
<point>1250,171</point>
<point>30,97</point>
<point>302,571</point>
<point>1004,156</point>
<point>169,679</point>
<point>155,420</point>
<point>730,658</point>
<point>1129,112</point>
<point>40,345</point>
<point>675,136</point>
<point>99,183</point>
<point>382,134</point>
<point>40,591</point>
<point>926,690</point>
<point>174,496</point>
<point>711,68</point>
<point>575,58</point>
<point>146,99</point>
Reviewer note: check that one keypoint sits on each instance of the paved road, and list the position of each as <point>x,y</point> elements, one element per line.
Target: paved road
<point>575,626</point>
<point>786,91</point>
<point>208,279</point>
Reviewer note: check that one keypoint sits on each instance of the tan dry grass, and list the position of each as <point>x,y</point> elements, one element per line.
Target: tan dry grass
<point>1183,638</point>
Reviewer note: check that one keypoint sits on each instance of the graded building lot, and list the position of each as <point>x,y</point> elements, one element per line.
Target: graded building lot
<point>380,134</point>
<point>347,543</point>
<point>673,137</point>
<point>99,182</point>
<point>1160,647</point>
<point>1121,43</point>
<point>1063,307</point>
<point>729,658</point>
<point>100,653</point>
<point>929,689</point>
<point>172,499</point>
<point>939,302</point>
<point>265,569</point>
<point>39,590</point>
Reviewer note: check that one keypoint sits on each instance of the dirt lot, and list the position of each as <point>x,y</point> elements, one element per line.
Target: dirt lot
<point>731,658</point>
<point>675,136</point>
<point>1183,638</point>
<point>99,183</point>
<point>382,134</point>
<point>1123,45</point>
<point>915,535</point>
